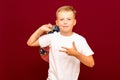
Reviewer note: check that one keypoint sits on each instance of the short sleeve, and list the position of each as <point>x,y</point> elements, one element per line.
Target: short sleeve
<point>44,40</point>
<point>86,50</point>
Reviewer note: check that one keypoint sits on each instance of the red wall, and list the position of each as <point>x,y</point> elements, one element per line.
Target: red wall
<point>97,20</point>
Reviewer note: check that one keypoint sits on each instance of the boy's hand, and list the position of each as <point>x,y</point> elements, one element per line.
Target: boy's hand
<point>46,28</point>
<point>70,51</point>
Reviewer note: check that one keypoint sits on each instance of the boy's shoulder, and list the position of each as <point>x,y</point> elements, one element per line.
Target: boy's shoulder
<point>75,35</point>
<point>53,35</point>
<point>79,36</point>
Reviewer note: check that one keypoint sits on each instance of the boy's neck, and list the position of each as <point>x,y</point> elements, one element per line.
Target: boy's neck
<point>66,34</point>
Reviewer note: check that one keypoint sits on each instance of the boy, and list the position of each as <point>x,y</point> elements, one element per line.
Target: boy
<point>67,48</point>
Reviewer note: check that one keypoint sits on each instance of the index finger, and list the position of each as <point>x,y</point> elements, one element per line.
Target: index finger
<point>64,48</point>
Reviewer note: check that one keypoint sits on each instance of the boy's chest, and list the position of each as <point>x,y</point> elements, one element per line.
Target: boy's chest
<point>58,43</point>
<point>61,42</point>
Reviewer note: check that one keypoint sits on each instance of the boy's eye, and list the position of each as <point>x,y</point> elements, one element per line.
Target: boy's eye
<point>69,19</point>
<point>61,19</point>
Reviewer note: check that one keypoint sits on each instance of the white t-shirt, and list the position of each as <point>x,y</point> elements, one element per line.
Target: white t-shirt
<point>61,65</point>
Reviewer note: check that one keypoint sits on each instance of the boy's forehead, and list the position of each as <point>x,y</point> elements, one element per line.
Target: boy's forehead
<point>66,13</point>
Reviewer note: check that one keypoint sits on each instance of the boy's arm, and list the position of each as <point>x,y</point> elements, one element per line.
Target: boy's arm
<point>86,60</point>
<point>33,40</point>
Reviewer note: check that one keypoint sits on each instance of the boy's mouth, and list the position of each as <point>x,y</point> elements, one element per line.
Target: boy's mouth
<point>65,26</point>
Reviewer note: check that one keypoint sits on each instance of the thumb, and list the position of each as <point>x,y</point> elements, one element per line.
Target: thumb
<point>74,45</point>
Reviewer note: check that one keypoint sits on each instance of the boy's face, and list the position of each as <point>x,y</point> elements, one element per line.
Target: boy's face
<point>66,21</point>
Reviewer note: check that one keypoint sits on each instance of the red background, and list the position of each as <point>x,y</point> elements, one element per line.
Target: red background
<point>97,20</point>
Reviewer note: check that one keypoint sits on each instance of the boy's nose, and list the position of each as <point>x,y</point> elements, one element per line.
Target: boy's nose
<point>65,21</point>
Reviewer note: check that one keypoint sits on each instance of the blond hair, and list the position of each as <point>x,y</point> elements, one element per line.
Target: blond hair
<point>66,8</point>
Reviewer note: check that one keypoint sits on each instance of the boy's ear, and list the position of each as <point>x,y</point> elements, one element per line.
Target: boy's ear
<point>56,22</point>
<point>75,22</point>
